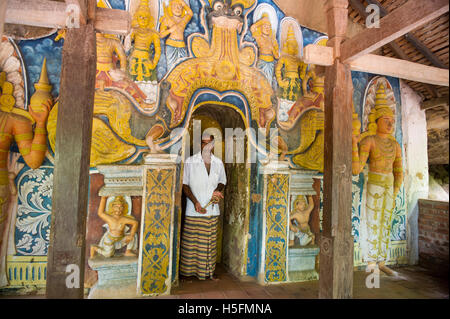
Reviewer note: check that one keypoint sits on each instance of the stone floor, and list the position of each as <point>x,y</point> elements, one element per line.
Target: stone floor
<point>417,284</point>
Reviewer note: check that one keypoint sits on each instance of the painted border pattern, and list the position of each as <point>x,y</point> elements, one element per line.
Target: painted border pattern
<point>157,222</point>
<point>276,227</point>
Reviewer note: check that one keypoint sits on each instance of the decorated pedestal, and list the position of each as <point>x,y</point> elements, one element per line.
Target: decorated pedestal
<point>117,277</point>
<point>302,263</point>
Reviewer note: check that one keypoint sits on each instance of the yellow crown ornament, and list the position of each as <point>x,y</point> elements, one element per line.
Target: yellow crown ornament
<point>43,89</point>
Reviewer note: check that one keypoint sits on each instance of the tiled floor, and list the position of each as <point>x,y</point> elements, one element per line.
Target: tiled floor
<point>417,284</point>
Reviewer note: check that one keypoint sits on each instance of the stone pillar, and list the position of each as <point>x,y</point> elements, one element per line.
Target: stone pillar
<point>157,230</point>
<point>275,223</point>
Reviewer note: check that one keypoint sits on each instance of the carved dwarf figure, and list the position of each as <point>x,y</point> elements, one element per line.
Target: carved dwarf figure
<point>267,45</point>
<point>118,234</point>
<point>176,16</point>
<point>299,221</point>
<point>384,182</point>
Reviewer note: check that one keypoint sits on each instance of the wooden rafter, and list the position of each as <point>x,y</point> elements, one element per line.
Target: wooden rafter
<point>404,19</point>
<point>433,103</point>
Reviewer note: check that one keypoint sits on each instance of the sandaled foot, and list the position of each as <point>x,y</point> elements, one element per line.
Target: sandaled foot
<point>214,278</point>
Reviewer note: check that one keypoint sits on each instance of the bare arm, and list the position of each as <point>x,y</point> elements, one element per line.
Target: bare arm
<point>359,159</point>
<point>187,190</point>
<point>101,210</point>
<point>31,147</point>
<point>398,170</point>
<point>310,204</point>
<point>134,226</point>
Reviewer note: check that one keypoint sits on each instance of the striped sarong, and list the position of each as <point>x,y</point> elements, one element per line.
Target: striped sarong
<point>198,247</point>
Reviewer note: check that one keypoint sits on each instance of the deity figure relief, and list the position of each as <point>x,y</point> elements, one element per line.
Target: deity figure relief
<point>299,221</point>
<point>314,97</point>
<point>176,16</point>
<point>384,180</point>
<point>142,67</point>
<point>109,49</point>
<point>17,124</point>
<point>118,234</point>
<point>268,46</point>
<point>290,69</point>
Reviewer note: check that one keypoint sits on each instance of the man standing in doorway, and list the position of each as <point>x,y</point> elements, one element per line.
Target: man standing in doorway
<point>203,183</point>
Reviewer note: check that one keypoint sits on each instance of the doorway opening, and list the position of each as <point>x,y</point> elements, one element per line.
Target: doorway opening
<point>234,209</point>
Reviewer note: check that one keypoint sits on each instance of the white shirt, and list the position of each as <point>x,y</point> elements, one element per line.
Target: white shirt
<point>203,185</point>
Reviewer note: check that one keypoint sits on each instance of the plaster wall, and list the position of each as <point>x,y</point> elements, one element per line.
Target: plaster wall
<point>415,163</point>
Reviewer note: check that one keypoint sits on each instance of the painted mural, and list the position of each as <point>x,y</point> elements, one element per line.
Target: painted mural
<point>180,56</point>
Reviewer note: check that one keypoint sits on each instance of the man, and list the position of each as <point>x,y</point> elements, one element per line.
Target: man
<point>385,179</point>
<point>203,183</point>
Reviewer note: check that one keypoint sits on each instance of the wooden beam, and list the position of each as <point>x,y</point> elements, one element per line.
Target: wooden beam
<point>318,55</point>
<point>72,159</point>
<point>38,13</point>
<point>402,69</point>
<point>336,242</point>
<point>406,18</point>
<point>433,103</point>
<point>377,64</point>
<point>52,14</point>
<point>2,17</point>
<point>112,21</point>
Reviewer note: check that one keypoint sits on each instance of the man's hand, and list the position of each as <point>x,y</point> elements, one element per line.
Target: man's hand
<point>199,209</point>
<point>216,197</point>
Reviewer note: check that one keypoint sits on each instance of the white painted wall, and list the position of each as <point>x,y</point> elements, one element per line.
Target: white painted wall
<point>415,140</point>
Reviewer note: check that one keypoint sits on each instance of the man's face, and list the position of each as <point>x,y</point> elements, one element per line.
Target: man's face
<point>207,144</point>
<point>117,209</point>
<point>385,124</point>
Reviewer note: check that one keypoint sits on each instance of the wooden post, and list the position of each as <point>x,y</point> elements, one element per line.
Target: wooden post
<point>336,244</point>
<point>72,156</point>
<point>2,17</point>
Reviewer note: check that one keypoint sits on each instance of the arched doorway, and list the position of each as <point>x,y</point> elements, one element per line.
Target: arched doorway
<point>234,220</point>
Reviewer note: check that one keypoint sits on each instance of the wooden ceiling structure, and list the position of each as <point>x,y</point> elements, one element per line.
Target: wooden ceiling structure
<point>428,45</point>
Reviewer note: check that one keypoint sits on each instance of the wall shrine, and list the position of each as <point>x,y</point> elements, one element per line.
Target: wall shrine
<point>232,64</point>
